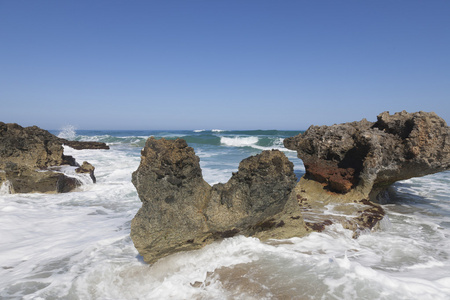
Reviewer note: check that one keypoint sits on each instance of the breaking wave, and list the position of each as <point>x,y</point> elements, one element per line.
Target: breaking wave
<point>239,141</point>
<point>68,132</point>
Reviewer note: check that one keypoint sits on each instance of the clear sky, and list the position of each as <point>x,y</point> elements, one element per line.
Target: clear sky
<point>234,64</point>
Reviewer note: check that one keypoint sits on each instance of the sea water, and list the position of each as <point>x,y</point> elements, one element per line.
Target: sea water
<point>77,245</point>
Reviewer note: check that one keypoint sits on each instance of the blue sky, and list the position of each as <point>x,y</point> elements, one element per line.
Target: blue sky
<point>220,64</point>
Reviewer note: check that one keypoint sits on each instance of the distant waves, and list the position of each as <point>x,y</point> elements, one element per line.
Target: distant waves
<point>257,139</point>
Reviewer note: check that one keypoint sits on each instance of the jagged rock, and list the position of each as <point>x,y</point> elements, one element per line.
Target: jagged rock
<point>180,211</point>
<point>26,157</point>
<point>173,194</point>
<point>367,157</point>
<point>255,201</point>
<point>30,146</point>
<point>352,163</point>
<point>87,168</point>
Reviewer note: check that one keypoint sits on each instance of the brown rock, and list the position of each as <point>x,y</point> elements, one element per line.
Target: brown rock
<point>87,168</point>
<point>27,156</point>
<point>80,145</point>
<point>370,156</point>
<point>347,164</point>
<point>173,194</point>
<point>30,146</point>
<point>180,211</point>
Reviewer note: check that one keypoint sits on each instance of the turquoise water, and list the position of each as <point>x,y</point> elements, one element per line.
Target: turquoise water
<point>220,151</point>
<point>77,245</point>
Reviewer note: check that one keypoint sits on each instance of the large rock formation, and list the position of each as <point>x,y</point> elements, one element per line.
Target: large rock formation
<point>367,156</point>
<point>29,158</point>
<point>180,211</point>
<point>347,167</point>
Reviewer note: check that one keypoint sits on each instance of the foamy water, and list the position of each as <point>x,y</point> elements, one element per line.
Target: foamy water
<point>77,245</point>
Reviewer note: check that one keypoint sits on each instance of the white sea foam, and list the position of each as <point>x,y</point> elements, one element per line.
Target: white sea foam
<point>83,178</point>
<point>77,246</point>
<point>276,145</point>
<point>5,187</point>
<point>239,141</point>
<point>216,175</point>
<point>253,141</point>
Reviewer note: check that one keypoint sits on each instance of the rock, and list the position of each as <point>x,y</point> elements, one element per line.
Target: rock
<point>87,168</point>
<point>69,160</point>
<point>180,211</point>
<point>321,208</point>
<point>349,164</point>
<point>27,156</point>
<point>173,194</point>
<point>248,203</point>
<point>80,145</point>
<point>30,181</point>
<point>30,146</point>
<point>368,157</point>
<point>348,167</point>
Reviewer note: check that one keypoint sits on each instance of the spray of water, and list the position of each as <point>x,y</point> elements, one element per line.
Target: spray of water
<point>68,132</point>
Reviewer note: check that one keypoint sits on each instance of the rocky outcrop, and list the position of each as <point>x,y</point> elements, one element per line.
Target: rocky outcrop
<point>80,145</point>
<point>29,158</point>
<point>367,156</point>
<point>180,211</point>
<point>87,168</point>
<point>348,166</point>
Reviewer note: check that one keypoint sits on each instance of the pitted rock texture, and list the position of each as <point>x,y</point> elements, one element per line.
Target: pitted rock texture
<point>26,157</point>
<point>180,211</point>
<point>30,146</point>
<point>368,156</point>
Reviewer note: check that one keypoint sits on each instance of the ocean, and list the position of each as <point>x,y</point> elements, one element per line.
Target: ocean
<point>77,245</point>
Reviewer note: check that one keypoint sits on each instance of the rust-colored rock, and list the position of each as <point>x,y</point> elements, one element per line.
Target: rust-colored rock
<point>349,164</point>
<point>368,156</point>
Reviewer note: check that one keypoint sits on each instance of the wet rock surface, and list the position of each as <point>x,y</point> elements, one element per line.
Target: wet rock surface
<point>180,211</point>
<point>27,158</point>
<point>87,168</point>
